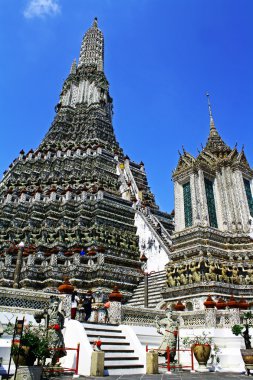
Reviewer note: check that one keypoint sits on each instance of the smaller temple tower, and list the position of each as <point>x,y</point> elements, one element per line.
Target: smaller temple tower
<point>214,189</point>
<point>212,251</point>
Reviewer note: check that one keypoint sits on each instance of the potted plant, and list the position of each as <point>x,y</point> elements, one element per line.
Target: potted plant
<point>32,345</point>
<point>201,348</point>
<point>243,330</point>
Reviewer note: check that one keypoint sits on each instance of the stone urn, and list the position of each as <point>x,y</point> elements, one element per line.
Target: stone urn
<point>24,358</point>
<point>29,372</point>
<point>247,355</point>
<point>202,354</point>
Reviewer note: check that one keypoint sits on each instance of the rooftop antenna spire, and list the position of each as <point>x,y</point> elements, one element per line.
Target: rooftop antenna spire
<point>212,126</point>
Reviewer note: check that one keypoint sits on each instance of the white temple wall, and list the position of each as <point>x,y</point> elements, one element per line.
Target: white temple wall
<point>149,245</point>
<point>85,92</point>
<point>194,199</point>
<point>218,204</point>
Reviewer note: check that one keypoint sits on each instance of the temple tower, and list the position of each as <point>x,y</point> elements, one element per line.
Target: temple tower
<point>215,188</point>
<point>212,251</point>
<point>76,200</point>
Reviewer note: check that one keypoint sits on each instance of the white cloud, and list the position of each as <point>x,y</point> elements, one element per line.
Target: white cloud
<point>41,8</point>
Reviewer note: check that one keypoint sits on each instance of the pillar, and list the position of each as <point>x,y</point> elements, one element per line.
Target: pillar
<point>97,363</point>
<point>151,362</point>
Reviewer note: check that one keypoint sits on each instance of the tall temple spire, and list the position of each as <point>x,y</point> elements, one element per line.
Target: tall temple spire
<point>92,49</point>
<point>215,144</point>
<point>73,67</point>
<point>213,130</point>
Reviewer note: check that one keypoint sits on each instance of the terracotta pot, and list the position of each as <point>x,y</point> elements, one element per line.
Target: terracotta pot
<point>66,287</point>
<point>209,303</point>
<point>201,353</point>
<point>115,295</point>
<point>243,304</point>
<point>221,304</point>
<point>232,303</point>
<point>68,254</point>
<point>179,306</point>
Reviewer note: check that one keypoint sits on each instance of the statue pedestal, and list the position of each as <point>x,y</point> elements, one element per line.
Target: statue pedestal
<point>28,373</point>
<point>202,368</point>
<point>97,363</point>
<point>151,362</point>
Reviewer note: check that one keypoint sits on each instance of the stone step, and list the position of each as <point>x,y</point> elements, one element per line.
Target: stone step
<point>121,362</point>
<point>105,336</point>
<point>109,342</point>
<point>120,350</point>
<point>153,281</point>
<point>124,371</point>
<point>109,356</point>
<point>153,295</point>
<point>150,290</point>
<point>105,340</point>
<point>107,326</point>
<point>101,328</point>
<point>123,366</point>
<point>120,357</point>
<point>113,355</point>
<point>141,300</point>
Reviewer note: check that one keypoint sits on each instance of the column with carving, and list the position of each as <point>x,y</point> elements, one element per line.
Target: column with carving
<point>179,208</point>
<point>67,289</point>
<point>115,309</point>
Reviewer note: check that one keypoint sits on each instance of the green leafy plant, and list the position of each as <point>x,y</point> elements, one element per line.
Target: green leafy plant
<point>33,344</point>
<point>196,340</point>
<point>243,329</point>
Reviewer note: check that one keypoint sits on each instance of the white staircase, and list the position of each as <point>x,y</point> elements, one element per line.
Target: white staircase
<point>120,354</point>
<point>156,281</point>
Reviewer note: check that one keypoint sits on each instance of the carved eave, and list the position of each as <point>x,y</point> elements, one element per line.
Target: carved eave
<point>185,163</point>
<point>242,164</point>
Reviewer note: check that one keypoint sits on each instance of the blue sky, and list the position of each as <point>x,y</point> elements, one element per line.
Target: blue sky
<point>161,56</point>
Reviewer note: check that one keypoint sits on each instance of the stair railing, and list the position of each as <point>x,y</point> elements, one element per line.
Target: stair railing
<point>163,229</point>
<point>163,243</point>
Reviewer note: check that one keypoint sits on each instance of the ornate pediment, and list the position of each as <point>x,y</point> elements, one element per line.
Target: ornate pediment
<point>242,160</point>
<point>186,161</point>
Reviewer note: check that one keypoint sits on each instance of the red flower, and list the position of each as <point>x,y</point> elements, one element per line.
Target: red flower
<point>56,327</point>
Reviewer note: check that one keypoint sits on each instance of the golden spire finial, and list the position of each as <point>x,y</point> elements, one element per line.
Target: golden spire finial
<point>212,126</point>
